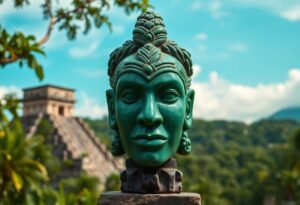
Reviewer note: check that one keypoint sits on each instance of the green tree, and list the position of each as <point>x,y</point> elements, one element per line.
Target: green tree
<point>25,162</point>
<point>113,182</point>
<point>22,48</point>
<point>9,105</point>
<point>20,174</point>
<point>288,171</point>
<point>83,190</point>
<point>234,163</point>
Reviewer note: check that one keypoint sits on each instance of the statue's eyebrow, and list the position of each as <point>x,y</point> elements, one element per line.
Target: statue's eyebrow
<point>170,83</point>
<point>129,83</point>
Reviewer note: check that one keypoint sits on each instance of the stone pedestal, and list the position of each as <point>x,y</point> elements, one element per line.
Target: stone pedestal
<point>151,180</point>
<point>119,198</point>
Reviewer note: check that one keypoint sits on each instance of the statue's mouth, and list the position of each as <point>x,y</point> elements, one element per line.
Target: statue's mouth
<point>150,140</point>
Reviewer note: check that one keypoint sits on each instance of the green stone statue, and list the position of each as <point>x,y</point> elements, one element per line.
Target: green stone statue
<point>150,107</point>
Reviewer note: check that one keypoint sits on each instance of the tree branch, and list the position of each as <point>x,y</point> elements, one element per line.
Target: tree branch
<point>54,20</point>
<point>11,59</point>
<point>45,38</point>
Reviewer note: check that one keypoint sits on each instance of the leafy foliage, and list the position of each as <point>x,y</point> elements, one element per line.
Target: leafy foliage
<point>9,105</point>
<point>27,164</point>
<point>231,163</point>
<point>22,48</point>
<point>21,175</point>
<point>113,182</point>
<point>81,191</point>
<point>27,169</point>
<point>241,163</point>
<point>100,127</point>
<point>236,164</point>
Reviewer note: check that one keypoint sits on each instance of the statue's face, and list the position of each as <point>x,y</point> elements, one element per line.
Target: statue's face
<point>151,115</point>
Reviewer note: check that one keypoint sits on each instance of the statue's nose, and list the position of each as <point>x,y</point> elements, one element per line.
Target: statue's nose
<point>150,115</point>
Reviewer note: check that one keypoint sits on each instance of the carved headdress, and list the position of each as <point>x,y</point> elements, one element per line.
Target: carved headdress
<point>148,46</point>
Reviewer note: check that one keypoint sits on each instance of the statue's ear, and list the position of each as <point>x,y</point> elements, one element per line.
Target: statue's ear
<point>189,109</point>
<point>110,95</point>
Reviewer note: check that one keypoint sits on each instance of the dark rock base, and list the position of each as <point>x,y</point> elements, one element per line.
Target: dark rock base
<point>152,180</point>
<point>119,198</point>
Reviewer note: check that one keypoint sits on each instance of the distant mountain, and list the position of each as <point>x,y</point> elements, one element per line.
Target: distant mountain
<point>292,113</point>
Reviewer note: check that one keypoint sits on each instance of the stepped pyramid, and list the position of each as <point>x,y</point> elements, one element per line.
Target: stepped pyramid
<point>72,138</point>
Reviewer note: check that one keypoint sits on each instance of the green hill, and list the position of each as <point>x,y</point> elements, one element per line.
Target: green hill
<point>233,163</point>
<point>292,113</point>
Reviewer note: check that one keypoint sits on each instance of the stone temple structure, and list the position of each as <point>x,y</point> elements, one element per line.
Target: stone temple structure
<point>53,100</point>
<point>71,139</point>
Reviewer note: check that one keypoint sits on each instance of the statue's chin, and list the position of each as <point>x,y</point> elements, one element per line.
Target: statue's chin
<point>150,159</point>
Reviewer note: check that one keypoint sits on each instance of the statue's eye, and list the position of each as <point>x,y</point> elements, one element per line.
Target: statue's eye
<point>169,96</point>
<point>129,96</point>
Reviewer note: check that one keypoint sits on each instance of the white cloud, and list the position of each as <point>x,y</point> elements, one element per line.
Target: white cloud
<point>9,90</point>
<point>32,11</point>
<point>33,21</point>
<point>118,29</point>
<point>92,73</point>
<point>32,16</point>
<point>238,47</point>
<point>201,36</point>
<point>80,52</point>
<point>201,48</point>
<point>221,99</point>
<point>88,45</point>
<point>119,13</point>
<point>196,5</point>
<point>215,8</point>
<point>223,55</point>
<point>6,8</point>
<point>196,70</point>
<point>289,10</point>
<point>292,14</point>
<point>38,26</point>
<point>89,107</point>
<point>294,74</point>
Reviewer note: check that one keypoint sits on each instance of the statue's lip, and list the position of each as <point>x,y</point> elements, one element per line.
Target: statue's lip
<point>151,140</point>
<point>150,137</point>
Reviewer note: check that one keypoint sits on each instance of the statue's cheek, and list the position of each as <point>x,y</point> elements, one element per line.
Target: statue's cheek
<point>173,113</point>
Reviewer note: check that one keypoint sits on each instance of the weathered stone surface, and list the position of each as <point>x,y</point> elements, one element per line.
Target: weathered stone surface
<point>154,180</point>
<point>118,198</point>
<point>72,139</point>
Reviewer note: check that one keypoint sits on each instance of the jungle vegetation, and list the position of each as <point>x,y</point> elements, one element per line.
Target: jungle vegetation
<point>233,163</point>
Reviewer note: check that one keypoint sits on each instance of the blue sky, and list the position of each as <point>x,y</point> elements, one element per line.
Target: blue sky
<point>246,55</point>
